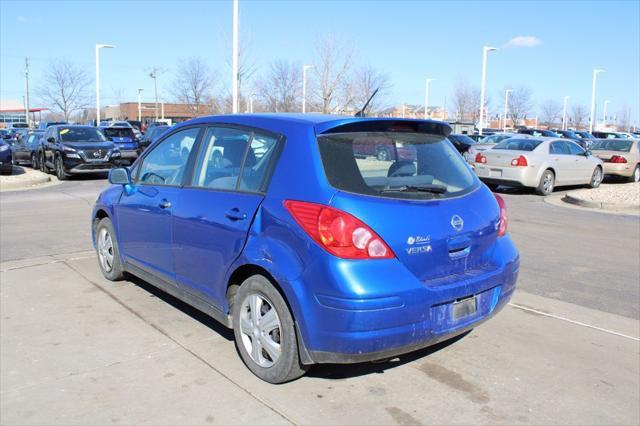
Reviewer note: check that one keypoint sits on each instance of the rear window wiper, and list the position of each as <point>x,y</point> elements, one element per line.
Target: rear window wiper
<point>433,189</point>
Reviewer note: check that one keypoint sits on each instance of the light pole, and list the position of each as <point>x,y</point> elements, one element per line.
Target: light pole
<point>506,106</point>
<point>154,75</point>
<point>593,99</point>
<point>485,50</point>
<point>139,106</point>
<point>564,113</point>
<point>234,59</point>
<point>604,114</point>
<point>98,47</point>
<point>304,87</point>
<point>426,95</point>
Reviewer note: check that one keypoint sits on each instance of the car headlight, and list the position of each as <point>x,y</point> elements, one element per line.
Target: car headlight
<point>4,148</point>
<point>72,155</point>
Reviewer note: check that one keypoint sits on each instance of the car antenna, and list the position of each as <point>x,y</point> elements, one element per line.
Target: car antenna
<point>361,112</point>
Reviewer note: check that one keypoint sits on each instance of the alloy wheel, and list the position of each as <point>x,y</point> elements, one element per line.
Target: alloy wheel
<point>547,184</point>
<point>260,329</point>
<point>636,174</point>
<point>105,250</point>
<point>597,177</point>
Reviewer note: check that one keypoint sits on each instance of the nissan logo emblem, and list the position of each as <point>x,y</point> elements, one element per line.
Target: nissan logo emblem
<point>457,223</point>
<point>97,153</point>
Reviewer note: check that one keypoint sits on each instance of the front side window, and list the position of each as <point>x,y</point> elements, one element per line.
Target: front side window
<point>425,166</point>
<point>166,164</point>
<point>574,149</point>
<point>559,148</point>
<point>234,159</point>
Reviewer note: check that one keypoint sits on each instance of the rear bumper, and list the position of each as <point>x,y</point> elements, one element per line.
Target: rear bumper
<point>506,175</point>
<point>350,329</point>
<point>617,169</point>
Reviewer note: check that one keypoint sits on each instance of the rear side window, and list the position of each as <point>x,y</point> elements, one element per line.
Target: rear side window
<point>515,144</point>
<point>421,166</point>
<point>559,147</point>
<point>574,149</point>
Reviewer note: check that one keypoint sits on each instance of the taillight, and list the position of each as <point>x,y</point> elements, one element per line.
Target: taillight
<point>617,159</point>
<point>502,227</point>
<point>520,161</point>
<point>481,159</point>
<point>338,232</point>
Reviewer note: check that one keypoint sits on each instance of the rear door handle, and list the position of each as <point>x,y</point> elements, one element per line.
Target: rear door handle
<point>235,214</point>
<point>164,204</point>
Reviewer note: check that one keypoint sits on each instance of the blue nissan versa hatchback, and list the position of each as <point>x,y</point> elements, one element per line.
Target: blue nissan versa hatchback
<point>272,225</point>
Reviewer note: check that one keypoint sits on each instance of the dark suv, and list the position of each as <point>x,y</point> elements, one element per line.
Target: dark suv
<point>125,140</point>
<point>71,150</point>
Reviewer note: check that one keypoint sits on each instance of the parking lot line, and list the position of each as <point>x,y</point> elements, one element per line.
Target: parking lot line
<point>582,324</point>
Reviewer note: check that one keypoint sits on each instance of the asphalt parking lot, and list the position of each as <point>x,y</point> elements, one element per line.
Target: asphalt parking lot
<point>77,349</point>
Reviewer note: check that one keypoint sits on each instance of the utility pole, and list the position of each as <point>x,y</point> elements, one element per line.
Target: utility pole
<point>485,50</point>
<point>426,96</point>
<point>154,75</point>
<point>234,59</point>
<point>506,110</point>
<point>304,87</point>
<point>564,113</point>
<point>593,100</point>
<point>140,106</point>
<point>26,90</point>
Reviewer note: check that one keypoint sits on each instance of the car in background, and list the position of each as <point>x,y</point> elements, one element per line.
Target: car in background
<point>25,150</point>
<point>125,140</point>
<point>17,125</point>
<point>598,134</point>
<point>540,163</point>
<point>621,157</point>
<point>45,124</point>
<point>310,254</point>
<point>5,134</point>
<point>6,166</point>
<point>151,135</point>
<point>570,134</point>
<point>629,135</point>
<point>68,150</point>
<point>539,133</point>
<point>464,145</point>
<point>489,142</point>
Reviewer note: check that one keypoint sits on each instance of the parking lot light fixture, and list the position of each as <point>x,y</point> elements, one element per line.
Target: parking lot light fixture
<point>485,50</point>
<point>506,106</point>
<point>139,105</point>
<point>564,113</point>
<point>235,59</point>
<point>98,47</point>
<point>426,95</point>
<point>304,87</point>
<point>593,98</point>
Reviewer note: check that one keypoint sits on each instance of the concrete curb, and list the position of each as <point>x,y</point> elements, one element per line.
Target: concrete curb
<point>32,179</point>
<point>599,205</point>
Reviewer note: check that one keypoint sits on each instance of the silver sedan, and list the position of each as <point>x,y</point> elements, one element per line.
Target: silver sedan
<point>540,163</point>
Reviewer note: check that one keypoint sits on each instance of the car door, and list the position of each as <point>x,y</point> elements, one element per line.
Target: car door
<point>582,165</point>
<point>561,162</point>
<point>213,214</point>
<point>144,213</point>
<point>48,146</point>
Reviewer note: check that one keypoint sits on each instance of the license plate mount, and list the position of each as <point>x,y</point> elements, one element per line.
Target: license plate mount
<point>464,307</point>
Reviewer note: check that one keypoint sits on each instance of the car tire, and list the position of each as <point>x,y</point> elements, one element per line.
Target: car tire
<point>383,154</point>
<point>108,251</point>
<point>42,163</point>
<point>596,178</point>
<point>635,176</point>
<point>547,183</point>
<point>280,363</point>
<point>61,174</point>
<point>34,162</point>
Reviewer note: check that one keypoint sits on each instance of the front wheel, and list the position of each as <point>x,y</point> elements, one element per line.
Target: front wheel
<point>34,161</point>
<point>265,333</point>
<point>596,178</point>
<point>61,174</point>
<point>42,163</point>
<point>108,251</point>
<point>383,154</point>
<point>635,177</point>
<point>547,183</point>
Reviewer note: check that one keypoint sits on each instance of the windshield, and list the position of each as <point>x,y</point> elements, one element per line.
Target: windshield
<point>612,145</point>
<point>80,134</point>
<point>518,144</point>
<point>418,166</point>
<point>118,132</point>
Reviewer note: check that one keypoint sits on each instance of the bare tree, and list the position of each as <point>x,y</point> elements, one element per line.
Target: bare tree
<point>466,102</point>
<point>364,81</point>
<point>550,112</point>
<point>520,104</point>
<point>281,88</point>
<point>64,87</point>
<point>624,118</point>
<point>579,115</point>
<point>475,104</point>
<point>193,83</point>
<point>331,69</point>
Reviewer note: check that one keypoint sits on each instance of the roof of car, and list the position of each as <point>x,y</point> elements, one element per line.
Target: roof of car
<point>320,122</point>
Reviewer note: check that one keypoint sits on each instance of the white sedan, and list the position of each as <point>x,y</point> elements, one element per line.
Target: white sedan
<point>540,163</point>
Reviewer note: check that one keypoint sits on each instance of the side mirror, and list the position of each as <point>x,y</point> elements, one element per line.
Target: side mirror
<point>120,176</point>
<point>587,153</point>
<point>51,140</point>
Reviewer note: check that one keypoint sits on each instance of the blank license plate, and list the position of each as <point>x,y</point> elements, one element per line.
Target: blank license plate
<point>495,173</point>
<point>463,308</point>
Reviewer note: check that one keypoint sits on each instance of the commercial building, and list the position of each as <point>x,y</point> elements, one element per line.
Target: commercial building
<point>12,111</point>
<point>171,111</point>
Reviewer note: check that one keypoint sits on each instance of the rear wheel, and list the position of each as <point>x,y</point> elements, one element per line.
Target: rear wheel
<point>596,178</point>
<point>383,154</point>
<point>108,251</point>
<point>547,183</point>
<point>265,333</point>
<point>635,177</point>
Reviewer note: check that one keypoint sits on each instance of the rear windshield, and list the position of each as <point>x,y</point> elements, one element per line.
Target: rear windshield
<point>118,132</point>
<point>518,144</point>
<point>612,145</point>
<point>415,165</point>
<point>80,134</point>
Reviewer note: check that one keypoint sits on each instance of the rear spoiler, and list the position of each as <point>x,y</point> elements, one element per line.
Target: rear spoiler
<point>391,125</point>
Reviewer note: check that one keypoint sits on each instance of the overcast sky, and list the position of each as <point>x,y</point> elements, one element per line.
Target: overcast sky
<point>552,47</point>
